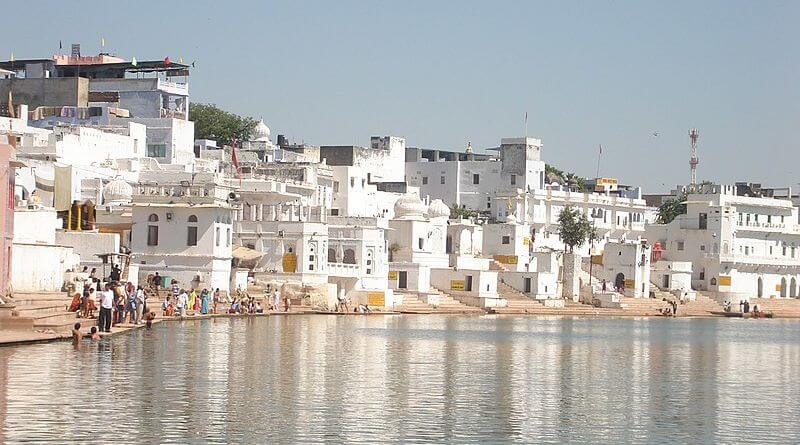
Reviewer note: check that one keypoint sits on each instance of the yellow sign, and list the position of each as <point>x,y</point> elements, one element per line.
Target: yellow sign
<point>777,288</point>
<point>526,241</point>
<point>457,284</point>
<point>289,262</point>
<point>607,181</point>
<point>629,283</point>
<point>506,259</point>
<point>724,280</point>
<point>392,274</point>
<point>376,299</point>
<point>597,259</point>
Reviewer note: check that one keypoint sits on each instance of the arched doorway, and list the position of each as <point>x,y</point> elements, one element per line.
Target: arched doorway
<point>760,287</point>
<point>783,287</point>
<point>793,288</point>
<point>619,281</point>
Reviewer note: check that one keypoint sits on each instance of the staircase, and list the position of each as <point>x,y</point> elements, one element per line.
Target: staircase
<point>497,265</point>
<point>643,306</point>
<point>518,302</point>
<point>412,305</point>
<point>780,307</point>
<point>702,306</point>
<point>45,310</point>
<point>450,305</point>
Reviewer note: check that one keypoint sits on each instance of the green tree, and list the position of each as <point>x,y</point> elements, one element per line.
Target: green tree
<point>574,228</point>
<point>211,122</point>
<point>461,212</point>
<point>671,208</point>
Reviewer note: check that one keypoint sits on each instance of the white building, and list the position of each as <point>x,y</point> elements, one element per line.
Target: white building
<point>740,247</point>
<point>183,232</point>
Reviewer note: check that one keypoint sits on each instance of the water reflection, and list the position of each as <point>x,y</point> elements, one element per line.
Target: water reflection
<point>412,379</point>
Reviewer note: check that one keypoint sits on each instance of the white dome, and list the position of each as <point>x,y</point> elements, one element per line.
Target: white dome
<point>409,206</point>
<point>438,209</point>
<point>261,131</point>
<point>117,191</point>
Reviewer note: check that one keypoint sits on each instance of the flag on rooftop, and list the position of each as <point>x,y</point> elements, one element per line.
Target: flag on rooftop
<point>134,62</point>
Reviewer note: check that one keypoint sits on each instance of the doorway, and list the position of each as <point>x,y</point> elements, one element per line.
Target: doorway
<point>468,283</point>
<point>527,285</point>
<point>402,279</point>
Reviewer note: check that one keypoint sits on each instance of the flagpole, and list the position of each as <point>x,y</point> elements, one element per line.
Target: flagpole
<point>594,229</point>
<point>526,125</point>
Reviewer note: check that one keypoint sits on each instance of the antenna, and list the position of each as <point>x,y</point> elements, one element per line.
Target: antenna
<point>694,135</point>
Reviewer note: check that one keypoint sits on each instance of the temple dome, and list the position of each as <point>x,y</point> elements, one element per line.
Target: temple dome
<point>261,132</point>
<point>409,206</point>
<point>438,209</point>
<point>117,190</point>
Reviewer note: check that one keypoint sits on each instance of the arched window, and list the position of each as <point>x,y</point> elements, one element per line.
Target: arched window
<point>152,230</point>
<point>191,231</point>
<point>331,255</point>
<point>349,256</point>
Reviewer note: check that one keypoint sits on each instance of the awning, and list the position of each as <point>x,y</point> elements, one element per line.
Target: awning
<point>242,253</point>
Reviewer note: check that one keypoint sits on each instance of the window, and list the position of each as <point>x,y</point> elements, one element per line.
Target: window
<point>152,230</point>
<point>441,180</point>
<point>336,187</point>
<point>228,238</point>
<point>191,231</point>
<point>191,236</point>
<point>311,262</point>
<point>702,247</point>
<point>349,256</point>
<point>680,245</point>
<point>421,243</point>
<point>334,212</point>
<point>216,236</point>
<point>152,235</point>
<point>424,180</point>
<point>331,255</point>
<point>513,179</point>
<point>476,178</point>
<point>352,182</point>
<point>156,150</point>
<point>506,239</point>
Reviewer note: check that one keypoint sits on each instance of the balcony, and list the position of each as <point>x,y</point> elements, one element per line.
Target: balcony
<point>344,270</point>
<point>755,259</point>
<point>767,226</point>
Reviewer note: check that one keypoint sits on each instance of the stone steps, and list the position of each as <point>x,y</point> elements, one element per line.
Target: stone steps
<point>780,307</point>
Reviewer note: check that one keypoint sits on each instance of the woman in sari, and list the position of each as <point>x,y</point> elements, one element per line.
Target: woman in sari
<point>204,301</point>
<point>76,302</point>
<point>193,300</point>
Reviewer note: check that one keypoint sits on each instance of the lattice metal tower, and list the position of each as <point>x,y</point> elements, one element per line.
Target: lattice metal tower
<point>694,135</point>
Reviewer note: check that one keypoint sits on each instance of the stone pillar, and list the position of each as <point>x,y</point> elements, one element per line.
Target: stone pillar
<point>571,272</point>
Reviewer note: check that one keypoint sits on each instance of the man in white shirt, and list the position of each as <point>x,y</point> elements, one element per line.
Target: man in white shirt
<point>106,305</point>
<point>183,301</point>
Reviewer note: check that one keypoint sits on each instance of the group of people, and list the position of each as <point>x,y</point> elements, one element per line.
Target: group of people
<point>671,310</point>
<point>179,301</point>
<point>116,303</point>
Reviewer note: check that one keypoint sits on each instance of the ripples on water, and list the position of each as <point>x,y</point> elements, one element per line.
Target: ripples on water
<point>412,379</point>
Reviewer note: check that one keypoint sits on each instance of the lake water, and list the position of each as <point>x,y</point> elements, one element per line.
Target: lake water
<point>412,379</point>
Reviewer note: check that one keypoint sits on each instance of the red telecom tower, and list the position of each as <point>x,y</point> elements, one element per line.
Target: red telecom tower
<point>694,135</point>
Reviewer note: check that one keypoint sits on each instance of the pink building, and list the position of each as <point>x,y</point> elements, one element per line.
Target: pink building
<point>7,165</point>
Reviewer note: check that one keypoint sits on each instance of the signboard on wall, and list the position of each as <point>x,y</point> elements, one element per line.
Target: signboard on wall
<point>505,259</point>
<point>457,284</point>
<point>289,262</point>
<point>526,241</point>
<point>629,283</point>
<point>392,274</point>
<point>724,280</point>
<point>376,299</point>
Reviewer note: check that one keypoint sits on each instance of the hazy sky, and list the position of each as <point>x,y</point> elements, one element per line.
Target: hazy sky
<point>444,73</point>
